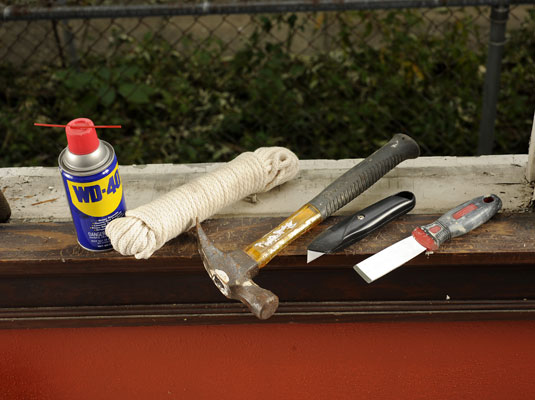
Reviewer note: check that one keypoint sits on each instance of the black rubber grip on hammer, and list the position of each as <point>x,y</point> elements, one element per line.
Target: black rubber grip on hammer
<point>363,175</point>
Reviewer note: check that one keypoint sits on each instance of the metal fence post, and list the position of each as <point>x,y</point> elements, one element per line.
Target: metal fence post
<point>69,40</point>
<point>491,87</point>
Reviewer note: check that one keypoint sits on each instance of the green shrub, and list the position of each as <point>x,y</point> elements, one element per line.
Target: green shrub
<point>200,105</point>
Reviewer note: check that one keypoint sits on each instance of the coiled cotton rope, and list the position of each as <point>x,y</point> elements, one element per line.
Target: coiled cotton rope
<point>145,229</point>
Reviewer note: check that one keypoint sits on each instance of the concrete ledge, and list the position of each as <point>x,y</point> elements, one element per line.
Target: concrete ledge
<point>36,194</point>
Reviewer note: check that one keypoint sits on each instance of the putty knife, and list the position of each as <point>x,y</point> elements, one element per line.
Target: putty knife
<point>456,222</point>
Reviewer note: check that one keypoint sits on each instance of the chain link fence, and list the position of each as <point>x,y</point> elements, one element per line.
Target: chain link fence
<point>196,82</point>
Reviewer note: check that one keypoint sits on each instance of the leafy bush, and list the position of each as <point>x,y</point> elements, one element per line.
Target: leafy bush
<point>201,105</point>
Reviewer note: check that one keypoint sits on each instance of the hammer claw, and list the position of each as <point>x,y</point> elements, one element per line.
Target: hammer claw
<point>212,257</point>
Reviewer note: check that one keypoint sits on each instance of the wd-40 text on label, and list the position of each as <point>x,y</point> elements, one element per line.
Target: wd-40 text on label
<point>98,198</point>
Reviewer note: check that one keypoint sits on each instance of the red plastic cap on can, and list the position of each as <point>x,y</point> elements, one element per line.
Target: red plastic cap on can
<point>81,140</point>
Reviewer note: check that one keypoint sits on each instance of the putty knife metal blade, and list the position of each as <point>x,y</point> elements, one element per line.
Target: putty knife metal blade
<point>389,259</point>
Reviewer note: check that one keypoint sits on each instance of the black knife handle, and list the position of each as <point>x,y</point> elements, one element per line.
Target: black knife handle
<point>359,178</point>
<point>362,223</point>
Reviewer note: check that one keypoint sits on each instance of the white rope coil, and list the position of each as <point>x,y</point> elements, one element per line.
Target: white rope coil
<point>147,228</point>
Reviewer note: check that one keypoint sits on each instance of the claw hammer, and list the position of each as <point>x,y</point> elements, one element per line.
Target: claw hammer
<point>232,272</point>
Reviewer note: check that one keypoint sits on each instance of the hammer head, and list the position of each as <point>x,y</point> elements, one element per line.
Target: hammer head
<point>232,273</point>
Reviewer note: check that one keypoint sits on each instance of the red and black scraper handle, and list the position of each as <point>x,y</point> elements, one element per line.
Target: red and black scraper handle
<point>458,221</point>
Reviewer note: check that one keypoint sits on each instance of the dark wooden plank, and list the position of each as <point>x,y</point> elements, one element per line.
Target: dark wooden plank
<point>52,248</point>
<point>232,313</point>
<point>335,283</point>
<point>43,270</point>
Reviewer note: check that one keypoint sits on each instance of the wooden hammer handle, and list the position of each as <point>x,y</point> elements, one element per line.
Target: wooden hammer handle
<point>333,197</point>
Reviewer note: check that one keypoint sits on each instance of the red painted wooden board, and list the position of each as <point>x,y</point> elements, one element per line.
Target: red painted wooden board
<point>407,360</point>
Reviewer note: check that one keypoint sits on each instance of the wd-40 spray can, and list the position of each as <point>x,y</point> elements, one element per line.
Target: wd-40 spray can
<point>91,177</point>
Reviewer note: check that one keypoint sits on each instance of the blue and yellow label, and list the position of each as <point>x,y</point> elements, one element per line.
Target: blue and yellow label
<point>98,198</point>
<point>94,201</point>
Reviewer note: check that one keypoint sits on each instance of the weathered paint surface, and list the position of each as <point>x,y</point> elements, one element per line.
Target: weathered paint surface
<point>453,360</point>
<point>439,183</point>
